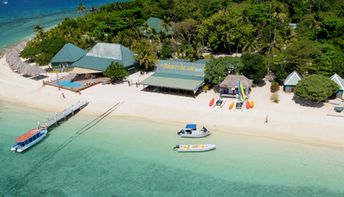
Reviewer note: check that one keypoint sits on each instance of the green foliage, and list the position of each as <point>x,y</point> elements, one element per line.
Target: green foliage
<point>225,31</point>
<point>217,69</point>
<point>116,71</point>
<point>316,88</point>
<point>274,87</point>
<point>329,61</point>
<point>43,51</point>
<point>186,30</point>
<point>145,54</point>
<point>166,51</point>
<point>254,67</point>
<point>218,26</point>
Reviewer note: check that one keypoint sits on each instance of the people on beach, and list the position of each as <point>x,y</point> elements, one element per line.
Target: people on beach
<point>266,119</point>
<point>63,95</point>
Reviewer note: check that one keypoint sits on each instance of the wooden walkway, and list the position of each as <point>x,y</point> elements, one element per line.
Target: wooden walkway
<point>70,111</point>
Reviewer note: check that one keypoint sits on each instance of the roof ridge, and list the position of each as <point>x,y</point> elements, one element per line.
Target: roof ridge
<point>338,79</point>
<point>289,77</point>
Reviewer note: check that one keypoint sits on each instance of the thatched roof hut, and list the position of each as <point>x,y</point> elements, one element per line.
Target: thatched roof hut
<point>230,84</point>
<point>16,64</point>
<point>231,81</point>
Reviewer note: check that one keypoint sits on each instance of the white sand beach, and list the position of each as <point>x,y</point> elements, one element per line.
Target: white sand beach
<point>286,120</point>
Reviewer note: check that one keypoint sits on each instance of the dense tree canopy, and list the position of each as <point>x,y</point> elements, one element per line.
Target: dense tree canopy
<point>217,69</point>
<point>253,67</point>
<point>316,88</point>
<point>315,46</point>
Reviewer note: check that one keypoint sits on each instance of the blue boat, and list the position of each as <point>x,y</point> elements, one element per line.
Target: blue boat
<point>29,139</point>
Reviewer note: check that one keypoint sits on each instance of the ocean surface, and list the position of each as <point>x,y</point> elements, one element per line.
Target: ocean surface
<point>19,17</point>
<point>130,157</point>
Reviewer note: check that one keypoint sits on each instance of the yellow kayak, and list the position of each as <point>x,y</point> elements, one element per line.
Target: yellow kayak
<point>252,104</point>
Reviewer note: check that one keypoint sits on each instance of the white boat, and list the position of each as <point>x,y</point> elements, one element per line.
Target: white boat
<point>191,131</point>
<point>194,147</point>
<point>29,139</point>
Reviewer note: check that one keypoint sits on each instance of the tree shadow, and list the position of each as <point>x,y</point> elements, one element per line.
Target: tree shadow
<point>260,84</point>
<point>307,103</point>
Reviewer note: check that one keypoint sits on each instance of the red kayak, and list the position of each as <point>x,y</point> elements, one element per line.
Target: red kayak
<point>248,105</point>
<point>212,101</point>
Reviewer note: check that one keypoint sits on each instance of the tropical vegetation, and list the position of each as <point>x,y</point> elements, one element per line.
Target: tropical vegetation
<point>261,28</point>
<point>316,88</point>
<point>116,71</point>
<point>217,69</point>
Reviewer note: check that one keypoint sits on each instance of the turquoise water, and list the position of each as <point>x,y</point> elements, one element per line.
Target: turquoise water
<point>19,17</point>
<point>68,84</point>
<point>127,157</point>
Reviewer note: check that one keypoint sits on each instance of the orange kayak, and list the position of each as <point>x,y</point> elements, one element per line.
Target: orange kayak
<point>212,101</point>
<point>231,106</point>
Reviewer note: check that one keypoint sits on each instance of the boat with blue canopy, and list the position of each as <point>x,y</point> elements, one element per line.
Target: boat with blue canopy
<point>192,131</point>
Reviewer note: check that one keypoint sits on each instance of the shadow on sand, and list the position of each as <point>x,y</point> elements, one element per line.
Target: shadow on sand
<point>307,103</point>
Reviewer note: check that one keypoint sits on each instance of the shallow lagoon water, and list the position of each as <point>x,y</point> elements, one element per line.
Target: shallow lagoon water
<point>131,157</point>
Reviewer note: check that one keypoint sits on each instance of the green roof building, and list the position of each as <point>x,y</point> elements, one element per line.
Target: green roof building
<point>155,25</point>
<point>177,75</point>
<point>340,81</point>
<point>103,54</point>
<point>291,81</point>
<point>67,55</point>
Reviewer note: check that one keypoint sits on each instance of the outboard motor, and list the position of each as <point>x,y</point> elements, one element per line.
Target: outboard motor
<point>181,131</point>
<point>176,147</point>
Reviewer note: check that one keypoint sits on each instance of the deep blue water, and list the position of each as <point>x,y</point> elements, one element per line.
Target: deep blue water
<point>18,17</point>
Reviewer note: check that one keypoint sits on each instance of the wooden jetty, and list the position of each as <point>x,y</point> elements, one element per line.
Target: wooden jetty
<point>68,112</point>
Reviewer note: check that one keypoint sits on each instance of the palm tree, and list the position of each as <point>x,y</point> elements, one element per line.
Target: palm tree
<point>39,31</point>
<point>81,8</point>
<point>93,9</point>
<point>145,54</point>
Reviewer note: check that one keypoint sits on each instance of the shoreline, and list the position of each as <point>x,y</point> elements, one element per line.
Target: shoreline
<point>287,120</point>
<point>278,137</point>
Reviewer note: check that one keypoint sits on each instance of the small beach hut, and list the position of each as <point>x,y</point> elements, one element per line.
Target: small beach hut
<point>291,81</point>
<point>340,81</point>
<point>67,55</point>
<point>229,86</point>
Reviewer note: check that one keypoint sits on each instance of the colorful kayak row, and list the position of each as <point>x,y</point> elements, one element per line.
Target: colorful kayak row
<point>248,104</point>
